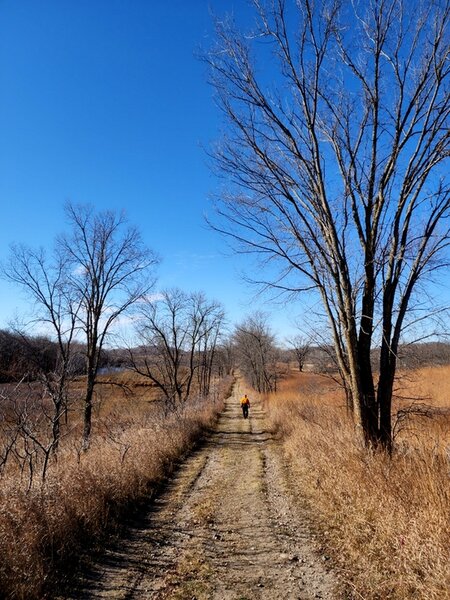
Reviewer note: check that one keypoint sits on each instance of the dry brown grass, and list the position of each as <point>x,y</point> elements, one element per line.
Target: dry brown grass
<point>384,521</point>
<point>85,495</point>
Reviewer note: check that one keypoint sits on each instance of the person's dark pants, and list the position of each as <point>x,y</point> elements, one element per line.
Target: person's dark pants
<point>245,410</point>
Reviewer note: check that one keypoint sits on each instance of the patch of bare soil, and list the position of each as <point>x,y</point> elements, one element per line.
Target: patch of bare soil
<point>224,529</point>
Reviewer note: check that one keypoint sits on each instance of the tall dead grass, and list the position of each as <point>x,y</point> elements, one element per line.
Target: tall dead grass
<point>384,521</point>
<point>85,495</point>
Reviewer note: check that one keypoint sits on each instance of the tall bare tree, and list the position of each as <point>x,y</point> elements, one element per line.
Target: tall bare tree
<point>110,270</point>
<point>336,151</point>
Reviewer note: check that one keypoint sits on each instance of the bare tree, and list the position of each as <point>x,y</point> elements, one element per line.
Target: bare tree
<point>111,270</point>
<point>225,357</point>
<point>256,352</point>
<point>211,317</point>
<point>336,155</point>
<point>179,334</point>
<point>301,347</point>
<point>56,307</point>
<point>27,430</point>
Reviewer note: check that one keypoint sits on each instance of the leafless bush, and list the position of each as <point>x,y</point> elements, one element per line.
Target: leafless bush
<point>28,435</point>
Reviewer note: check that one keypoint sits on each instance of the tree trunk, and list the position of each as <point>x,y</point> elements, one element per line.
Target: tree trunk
<point>367,398</point>
<point>56,426</point>
<point>87,423</point>
<point>385,388</point>
<point>388,362</point>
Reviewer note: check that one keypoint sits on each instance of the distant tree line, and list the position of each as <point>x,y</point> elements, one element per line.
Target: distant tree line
<point>23,357</point>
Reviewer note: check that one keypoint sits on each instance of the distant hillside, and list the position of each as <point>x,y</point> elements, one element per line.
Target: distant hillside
<point>411,356</point>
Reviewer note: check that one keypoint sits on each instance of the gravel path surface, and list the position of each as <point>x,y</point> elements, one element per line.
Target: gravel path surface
<point>225,528</point>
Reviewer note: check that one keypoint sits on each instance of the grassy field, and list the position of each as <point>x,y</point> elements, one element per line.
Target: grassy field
<point>85,495</point>
<point>384,522</point>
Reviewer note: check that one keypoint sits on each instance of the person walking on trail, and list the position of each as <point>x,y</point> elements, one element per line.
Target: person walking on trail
<point>245,405</point>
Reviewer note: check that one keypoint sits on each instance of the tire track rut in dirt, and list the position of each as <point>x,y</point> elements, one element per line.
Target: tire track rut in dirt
<point>225,528</point>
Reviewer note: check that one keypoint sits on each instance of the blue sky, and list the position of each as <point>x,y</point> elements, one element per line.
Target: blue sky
<point>104,102</point>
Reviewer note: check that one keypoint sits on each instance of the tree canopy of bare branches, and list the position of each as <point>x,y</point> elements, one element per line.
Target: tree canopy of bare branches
<point>336,150</point>
<point>57,306</point>
<point>110,270</point>
<point>256,353</point>
<point>300,348</point>
<point>179,333</point>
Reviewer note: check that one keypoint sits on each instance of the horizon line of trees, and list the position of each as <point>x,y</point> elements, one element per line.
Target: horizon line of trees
<point>25,356</point>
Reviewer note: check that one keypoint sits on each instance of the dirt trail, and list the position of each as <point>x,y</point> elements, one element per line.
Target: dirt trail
<point>224,529</point>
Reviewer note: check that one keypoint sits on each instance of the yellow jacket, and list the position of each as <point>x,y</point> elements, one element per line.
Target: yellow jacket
<point>245,400</point>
